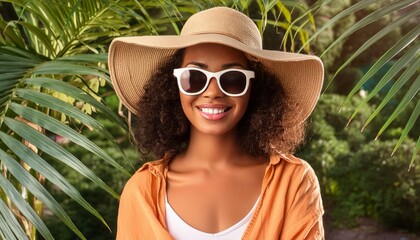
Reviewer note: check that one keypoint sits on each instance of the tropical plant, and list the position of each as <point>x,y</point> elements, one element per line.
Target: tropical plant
<point>358,177</point>
<point>370,183</point>
<point>400,61</point>
<point>52,64</point>
<point>45,76</point>
<point>402,78</point>
<point>48,84</point>
<point>104,203</point>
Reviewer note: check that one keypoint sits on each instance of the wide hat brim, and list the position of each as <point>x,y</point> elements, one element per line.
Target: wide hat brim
<point>133,60</point>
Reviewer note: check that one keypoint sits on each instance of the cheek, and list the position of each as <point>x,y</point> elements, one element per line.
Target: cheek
<point>244,102</point>
<point>241,107</point>
<point>186,103</point>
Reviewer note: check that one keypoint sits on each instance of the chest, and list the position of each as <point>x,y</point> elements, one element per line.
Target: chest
<point>214,202</point>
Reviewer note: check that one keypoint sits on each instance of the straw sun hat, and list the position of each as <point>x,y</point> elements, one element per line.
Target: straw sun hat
<point>133,60</point>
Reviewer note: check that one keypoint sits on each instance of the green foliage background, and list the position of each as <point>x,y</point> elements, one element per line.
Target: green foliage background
<point>53,77</point>
<point>359,178</point>
<point>107,205</point>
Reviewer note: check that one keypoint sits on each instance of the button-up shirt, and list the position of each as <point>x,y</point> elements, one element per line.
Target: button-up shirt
<point>290,204</point>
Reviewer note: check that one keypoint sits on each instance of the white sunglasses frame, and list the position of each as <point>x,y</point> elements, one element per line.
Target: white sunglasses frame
<point>248,75</point>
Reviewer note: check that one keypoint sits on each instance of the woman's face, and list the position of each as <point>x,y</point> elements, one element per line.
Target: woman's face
<point>213,112</point>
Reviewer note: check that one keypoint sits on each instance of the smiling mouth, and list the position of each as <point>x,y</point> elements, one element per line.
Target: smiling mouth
<point>213,111</point>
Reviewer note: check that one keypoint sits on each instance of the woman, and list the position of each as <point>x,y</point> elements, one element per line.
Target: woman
<point>224,116</point>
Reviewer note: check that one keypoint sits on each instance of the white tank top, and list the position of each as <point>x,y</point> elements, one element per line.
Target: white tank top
<point>180,230</point>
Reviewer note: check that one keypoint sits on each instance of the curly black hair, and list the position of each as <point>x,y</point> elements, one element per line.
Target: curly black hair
<point>162,126</point>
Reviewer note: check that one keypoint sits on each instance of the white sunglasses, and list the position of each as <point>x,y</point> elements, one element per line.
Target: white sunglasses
<point>232,82</point>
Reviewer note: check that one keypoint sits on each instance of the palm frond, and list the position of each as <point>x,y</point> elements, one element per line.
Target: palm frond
<point>37,163</point>
<point>403,56</point>
<point>399,65</point>
<point>49,80</point>
<point>30,183</point>
<point>351,10</point>
<point>10,227</point>
<point>18,91</point>
<point>410,124</point>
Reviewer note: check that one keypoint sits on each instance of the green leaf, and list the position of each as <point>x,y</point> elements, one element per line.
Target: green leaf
<point>351,10</point>
<point>398,47</point>
<point>69,24</point>
<point>402,80</point>
<point>92,58</point>
<point>309,14</point>
<point>67,31</point>
<point>3,224</point>
<point>7,29</point>
<point>6,232</point>
<point>7,85</point>
<point>40,35</point>
<point>406,99</point>
<point>23,207</point>
<point>50,147</point>
<point>9,227</point>
<point>145,18</point>
<point>410,123</point>
<point>76,93</point>
<point>66,68</point>
<point>65,108</point>
<point>396,68</point>
<point>10,76</point>
<point>415,152</point>
<point>17,54</point>
<point>40,165</point>
<point>392,26</point>
<point>371,18</point>
<point>36,188</point>
<point>283,9</point>
<point>59,128</point>
<point>15,65</point>
<point>9,222</point>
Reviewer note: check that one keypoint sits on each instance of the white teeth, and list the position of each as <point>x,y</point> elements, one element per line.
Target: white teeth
<point>213,110</point>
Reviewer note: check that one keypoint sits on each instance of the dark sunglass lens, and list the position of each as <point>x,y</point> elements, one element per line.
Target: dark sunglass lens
<point>193,81</point>
<point>233,82</point>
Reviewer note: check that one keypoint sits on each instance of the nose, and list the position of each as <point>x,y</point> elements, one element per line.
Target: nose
<point>213,90</point>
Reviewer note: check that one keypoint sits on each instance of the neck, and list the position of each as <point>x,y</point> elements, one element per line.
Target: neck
<point>211,151</point>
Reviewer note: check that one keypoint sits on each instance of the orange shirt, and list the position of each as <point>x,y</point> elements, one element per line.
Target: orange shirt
<point>290,206</point>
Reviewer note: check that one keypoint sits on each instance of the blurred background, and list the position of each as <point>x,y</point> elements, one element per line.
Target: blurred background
<point>65,148</point>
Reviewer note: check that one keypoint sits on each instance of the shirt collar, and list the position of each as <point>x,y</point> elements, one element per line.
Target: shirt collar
<point>275,159</point>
